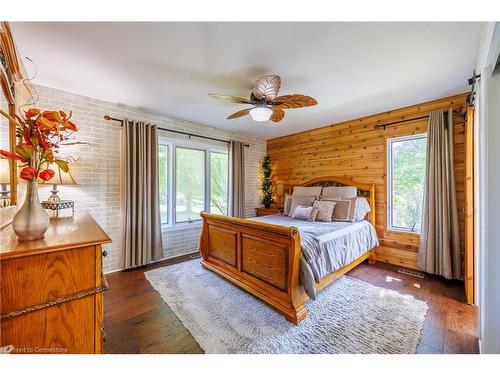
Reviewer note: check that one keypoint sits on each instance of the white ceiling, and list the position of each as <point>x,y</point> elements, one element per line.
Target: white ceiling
<point>351,69</point>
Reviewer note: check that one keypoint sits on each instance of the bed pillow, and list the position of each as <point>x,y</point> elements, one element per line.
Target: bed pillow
<point>325,210</point>
<point>340,192</point>
<point>288,204</point>
<point>344,208</point>
<point>307,191</point>
<point>302,212</point>
<point>299,200</point>
<point>362,209</point>
<point>314,214</point>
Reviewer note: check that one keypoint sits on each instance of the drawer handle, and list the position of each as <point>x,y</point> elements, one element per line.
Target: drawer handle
<point>57,301</point>
<point>104,253</point>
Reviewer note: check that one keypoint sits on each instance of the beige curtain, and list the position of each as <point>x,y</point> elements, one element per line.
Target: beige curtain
<point>142,223</point>
<point>439,249</point>
<point>237,157</point>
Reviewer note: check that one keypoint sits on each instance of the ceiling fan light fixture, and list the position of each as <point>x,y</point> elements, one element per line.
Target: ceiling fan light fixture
<point>261,114</point>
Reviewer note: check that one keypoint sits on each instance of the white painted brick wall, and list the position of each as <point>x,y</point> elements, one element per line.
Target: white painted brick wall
<point>98,174</point>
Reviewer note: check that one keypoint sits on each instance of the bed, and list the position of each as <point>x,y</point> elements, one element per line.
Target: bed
<point>284,261</point>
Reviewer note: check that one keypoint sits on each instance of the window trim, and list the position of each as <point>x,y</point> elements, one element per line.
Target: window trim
<point>169,179</point>
<point>389,184</point>
<point>172,144</point>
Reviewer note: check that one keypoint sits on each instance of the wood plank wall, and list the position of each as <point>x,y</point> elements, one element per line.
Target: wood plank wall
<point>356,150</point>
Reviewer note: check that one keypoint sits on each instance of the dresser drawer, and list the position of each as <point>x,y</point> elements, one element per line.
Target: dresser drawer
<point>65,328</point>
<point>30,280</point>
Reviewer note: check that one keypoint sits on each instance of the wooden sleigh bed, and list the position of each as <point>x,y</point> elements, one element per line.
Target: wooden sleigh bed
<point>264,259</point>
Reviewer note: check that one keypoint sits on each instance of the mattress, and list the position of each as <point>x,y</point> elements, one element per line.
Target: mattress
<point>326,246</point>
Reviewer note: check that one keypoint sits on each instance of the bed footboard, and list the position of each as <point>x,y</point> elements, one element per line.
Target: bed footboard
<point>261,258</point>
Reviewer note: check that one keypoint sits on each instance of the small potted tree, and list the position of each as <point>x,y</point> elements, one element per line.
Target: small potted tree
<point>267,193</point>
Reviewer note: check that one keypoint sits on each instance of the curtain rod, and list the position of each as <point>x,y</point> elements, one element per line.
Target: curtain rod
<point>108,118</point>
<point>399,122</point>
<point>378,126</point>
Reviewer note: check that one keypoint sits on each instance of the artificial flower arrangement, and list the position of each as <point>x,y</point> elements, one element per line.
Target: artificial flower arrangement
<point>40,135</point>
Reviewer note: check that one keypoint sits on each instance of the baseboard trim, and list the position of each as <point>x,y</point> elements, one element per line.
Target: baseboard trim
<point>159,260</point>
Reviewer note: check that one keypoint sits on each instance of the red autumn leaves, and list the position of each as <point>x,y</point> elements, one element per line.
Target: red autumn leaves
<point>51,120</point>
<point>40,134</point>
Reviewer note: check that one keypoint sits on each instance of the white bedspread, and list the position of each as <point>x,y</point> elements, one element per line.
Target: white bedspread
<point>326,246</point>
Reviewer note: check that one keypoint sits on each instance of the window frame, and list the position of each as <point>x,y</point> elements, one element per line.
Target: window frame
<point>173,144</point>
<point>390,184</point>
<point>169,180</point>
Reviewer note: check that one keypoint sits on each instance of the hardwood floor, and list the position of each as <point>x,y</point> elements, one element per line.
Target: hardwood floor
<point>136,320</point>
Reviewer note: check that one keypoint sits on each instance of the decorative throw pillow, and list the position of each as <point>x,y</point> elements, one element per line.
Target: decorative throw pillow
<point>314,214</point>
<point>302,212</point>
<point>344,208</point>
<point>339,192</point>
<point>362,208</point>
<point>288,204</point>
<point>307,191</point>
<point>300,201</point>
<point>325,210</point>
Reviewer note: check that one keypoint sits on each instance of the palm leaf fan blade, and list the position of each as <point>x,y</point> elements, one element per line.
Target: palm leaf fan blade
<point>294,101</point>
<point>241,113</point>
<point>278,115</point>
<point>230,98</point>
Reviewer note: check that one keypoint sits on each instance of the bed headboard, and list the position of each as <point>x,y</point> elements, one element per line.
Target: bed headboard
<point>364,190</point>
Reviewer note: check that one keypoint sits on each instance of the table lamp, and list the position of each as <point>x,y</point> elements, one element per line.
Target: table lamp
<point>4,182</point>
<point>55,203</point>
<point>60,178</point>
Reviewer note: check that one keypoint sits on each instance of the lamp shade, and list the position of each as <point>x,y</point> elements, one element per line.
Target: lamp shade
<point>62,178</point>
<point>4,171</point>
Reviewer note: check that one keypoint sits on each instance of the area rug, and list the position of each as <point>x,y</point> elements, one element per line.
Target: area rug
<point>349,316</point>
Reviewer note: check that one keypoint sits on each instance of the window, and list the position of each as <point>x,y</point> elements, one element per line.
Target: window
<point>406,158</point>
<point>192,178</point>
<point>189,184</point>
<point>219,181</point>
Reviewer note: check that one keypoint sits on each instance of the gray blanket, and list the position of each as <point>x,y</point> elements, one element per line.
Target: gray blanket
<point>326,246</point>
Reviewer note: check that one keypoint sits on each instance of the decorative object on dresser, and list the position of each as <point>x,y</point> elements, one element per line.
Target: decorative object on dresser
<point>267,182</point>
<point>262,211</point>
<point>54,203</point>
<point>31,221</point>
<point>41,136</point>
<point>56,207</point>
<point>4,183</point>
<point>60,179</point>
<point>264,259</point>
<point>44,314</point>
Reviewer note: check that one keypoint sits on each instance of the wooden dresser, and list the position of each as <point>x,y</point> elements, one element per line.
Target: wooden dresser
<point>51,289</point>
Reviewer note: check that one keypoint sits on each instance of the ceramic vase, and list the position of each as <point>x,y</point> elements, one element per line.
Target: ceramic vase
<point>31,221</point>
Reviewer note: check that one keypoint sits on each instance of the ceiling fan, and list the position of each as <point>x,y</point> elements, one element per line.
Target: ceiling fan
<point>267,105</point>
